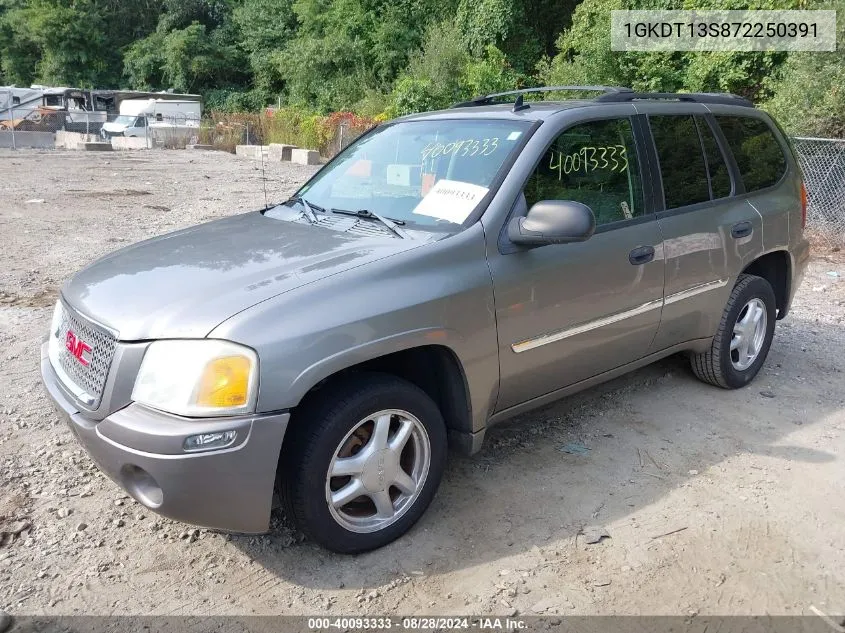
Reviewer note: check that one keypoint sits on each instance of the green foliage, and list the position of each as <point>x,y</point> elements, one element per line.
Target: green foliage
<point>445,72</point>
<point>193,49</point>
<point>78,43</point>
<point>344,48</point>
<point>264,28</point>
<point>383,58</point>
<point>524,30</point>
<point>433,78</point>
<point>809,97</point>
<point>585,57</point>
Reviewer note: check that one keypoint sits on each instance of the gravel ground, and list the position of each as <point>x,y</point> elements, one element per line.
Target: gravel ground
<point>712,502</point>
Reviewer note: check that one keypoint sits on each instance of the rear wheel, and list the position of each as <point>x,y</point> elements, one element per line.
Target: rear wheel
<point>364,462</point>
<point>745,334</point>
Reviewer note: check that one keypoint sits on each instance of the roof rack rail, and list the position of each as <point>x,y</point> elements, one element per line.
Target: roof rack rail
<point>488,99</point>
<point>725,98</point>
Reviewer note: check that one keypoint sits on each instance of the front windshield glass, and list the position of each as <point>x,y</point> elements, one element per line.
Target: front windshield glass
<point>125,119</point>
<point>427,173</point>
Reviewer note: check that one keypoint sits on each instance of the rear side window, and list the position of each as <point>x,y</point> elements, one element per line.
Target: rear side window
<point>682,164</point>
<point>757,152</point>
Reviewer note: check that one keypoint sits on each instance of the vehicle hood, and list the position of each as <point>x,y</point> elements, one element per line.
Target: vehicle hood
<point>185,283</point>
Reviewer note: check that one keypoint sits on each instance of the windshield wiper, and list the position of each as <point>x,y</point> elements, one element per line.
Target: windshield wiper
<point>390,223</point>
<point>309,208</point>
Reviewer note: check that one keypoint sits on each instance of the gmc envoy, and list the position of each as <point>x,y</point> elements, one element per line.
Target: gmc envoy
<point>443,273</point>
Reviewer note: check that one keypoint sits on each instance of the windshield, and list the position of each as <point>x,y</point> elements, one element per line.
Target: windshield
<point>125,119</point>
<point>428,173</point>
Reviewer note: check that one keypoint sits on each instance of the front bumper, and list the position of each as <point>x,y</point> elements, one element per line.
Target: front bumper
<point>141,450</point>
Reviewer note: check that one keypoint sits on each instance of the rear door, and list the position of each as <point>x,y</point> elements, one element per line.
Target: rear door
<point>709,234</point>
<point>567,312</point>
<point>761,163</point>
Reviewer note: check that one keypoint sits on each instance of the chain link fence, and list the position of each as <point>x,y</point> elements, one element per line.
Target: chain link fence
<point>823,163</point>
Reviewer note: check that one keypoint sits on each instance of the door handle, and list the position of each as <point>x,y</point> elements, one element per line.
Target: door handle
<point>641,255</point>
<point>741,229</point>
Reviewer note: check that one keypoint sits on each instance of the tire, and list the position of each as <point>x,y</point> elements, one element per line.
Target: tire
<point>342,422</point>
<point>729,368</point>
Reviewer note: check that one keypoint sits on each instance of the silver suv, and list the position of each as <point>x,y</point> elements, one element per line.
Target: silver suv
<point>445,272</point>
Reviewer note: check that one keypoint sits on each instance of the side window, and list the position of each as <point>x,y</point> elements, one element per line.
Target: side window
<point>717,169</point>
<point>758,154</point>
<point>682,166</point>
<point>593,163</point>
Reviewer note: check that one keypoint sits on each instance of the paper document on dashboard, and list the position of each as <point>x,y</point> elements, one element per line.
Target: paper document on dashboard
<point>451,200</point>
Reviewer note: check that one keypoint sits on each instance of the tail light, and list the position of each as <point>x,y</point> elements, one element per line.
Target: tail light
<point>803,206</point>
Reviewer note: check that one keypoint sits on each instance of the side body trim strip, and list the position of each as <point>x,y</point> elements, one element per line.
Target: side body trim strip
<point>696,290</point>
<point>559,335</point>
<point>553,337</point>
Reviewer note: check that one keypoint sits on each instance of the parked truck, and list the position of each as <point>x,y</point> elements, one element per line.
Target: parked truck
<point>143,117</point>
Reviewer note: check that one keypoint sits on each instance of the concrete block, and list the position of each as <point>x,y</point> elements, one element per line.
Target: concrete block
<point>280,151</point>
<point>98,146</point>
<point>74,140</point>
<point>251,151</point>
<point>199,146</point>
<point>305,156</point>
<point>130,142</point>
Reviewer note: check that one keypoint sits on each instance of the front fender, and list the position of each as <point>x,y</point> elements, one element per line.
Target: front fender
<point>349,357</point>
<point>438,294</point>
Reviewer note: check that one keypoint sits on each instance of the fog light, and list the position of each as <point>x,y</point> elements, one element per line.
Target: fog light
<point>209,441</point>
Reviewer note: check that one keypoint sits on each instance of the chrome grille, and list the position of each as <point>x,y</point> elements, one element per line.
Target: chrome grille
<point>86,381</point>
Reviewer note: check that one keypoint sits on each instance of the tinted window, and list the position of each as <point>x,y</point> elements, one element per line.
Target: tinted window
<point>593,163</point>
<point>756,150</point>
<point>720,179</point>
<point>682,166</point>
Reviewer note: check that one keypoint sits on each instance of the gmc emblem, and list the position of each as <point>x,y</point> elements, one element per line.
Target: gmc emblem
<point>78,348</point>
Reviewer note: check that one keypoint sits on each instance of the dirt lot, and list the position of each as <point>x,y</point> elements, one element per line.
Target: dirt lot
<point>715,502</point>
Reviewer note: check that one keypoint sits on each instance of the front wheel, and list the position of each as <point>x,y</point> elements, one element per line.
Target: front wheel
<point>745,334</point>
<point>364,462</point>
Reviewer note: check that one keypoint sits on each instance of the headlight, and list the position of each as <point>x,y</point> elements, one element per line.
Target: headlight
<point>203,377</point>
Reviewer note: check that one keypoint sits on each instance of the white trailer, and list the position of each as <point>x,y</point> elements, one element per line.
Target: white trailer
<point>143,117</point>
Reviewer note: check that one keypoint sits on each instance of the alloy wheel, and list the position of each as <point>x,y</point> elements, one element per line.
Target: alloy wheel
<point>378,470</point>
<point>749,333</point>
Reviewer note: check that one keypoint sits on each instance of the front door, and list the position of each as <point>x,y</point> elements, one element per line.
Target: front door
<point>567,312</point>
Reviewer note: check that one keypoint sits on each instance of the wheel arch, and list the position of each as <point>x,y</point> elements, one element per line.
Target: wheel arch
<point>433,367</point>
<point>776,268</point>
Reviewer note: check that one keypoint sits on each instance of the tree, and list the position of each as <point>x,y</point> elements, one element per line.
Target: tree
<point>584,55</point>
<point>809,95</point>
<point>345,48</point>
<point>444,73</point>
<point>525,30</point>
<point>196,56</point>
<point>264,28</point>
<point>79,43</point>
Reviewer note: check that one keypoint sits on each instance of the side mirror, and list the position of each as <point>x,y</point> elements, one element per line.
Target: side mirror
<point>553,222</point>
